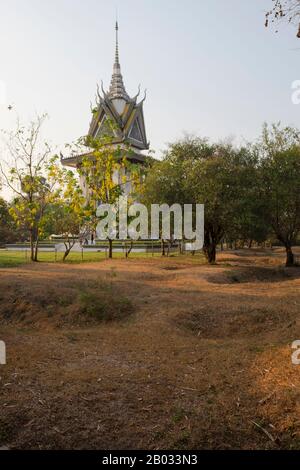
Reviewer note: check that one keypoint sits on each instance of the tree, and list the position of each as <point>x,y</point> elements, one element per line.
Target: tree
<point>195,171</point>
<point>247,224</point>
<point>106,172</point>
<point>167,181</point>
<point>65,223</point>
<point>32,175</point>
<point>71,214</point>
<point>288,10</point>
<point>280,182</point>
<point>219,182</point>
<point>8,229</point>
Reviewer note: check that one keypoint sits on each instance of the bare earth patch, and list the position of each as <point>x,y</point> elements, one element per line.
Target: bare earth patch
<point>151,353</point>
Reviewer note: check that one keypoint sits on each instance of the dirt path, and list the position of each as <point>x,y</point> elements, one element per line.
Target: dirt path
<point>202,358</point>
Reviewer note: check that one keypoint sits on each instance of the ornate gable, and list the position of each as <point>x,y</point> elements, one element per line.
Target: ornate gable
<point>135,132</point>
<point>118,115</point>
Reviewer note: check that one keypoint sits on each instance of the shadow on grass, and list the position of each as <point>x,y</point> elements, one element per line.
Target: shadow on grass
<point>255,274</point>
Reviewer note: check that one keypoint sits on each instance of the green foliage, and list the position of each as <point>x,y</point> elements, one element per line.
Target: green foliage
<point>106,172</point>
<point>67,217</point>
<point>280,183</point>
<point>48,198</point>
<point>104,306</point>
<point>33,177</point>
<point>216,175</point>
<point>248,192</point>
<point>8,229</point>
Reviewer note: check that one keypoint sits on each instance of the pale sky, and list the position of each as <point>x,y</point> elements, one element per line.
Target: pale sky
<point>210,66</point>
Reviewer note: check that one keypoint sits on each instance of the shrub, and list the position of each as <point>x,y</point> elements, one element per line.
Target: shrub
<point>104,306</point>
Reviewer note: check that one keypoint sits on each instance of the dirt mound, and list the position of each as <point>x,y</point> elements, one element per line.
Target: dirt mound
<point>171,268</point>
<point>234,321</point>
<point>204,365</point>
<point>254,274</point>
<point>62,304</point>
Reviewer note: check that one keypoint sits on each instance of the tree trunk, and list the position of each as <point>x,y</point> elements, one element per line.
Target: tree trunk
<point>168,249</point>
<point>250,244</point>
<point>163,251</point>
<point>31,246</point>
<point>36,247</point>
<point>290,259</point>
<point>110,249</point>
<point>66,253</point>
<point>212,237</point>
<point>130,249</point>
<point>210,253</point>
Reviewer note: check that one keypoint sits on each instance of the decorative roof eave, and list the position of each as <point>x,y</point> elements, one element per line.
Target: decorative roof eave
<point>140,104</point>
<point>138,144</point>
<point>75,160</point>
<point>143,127</point>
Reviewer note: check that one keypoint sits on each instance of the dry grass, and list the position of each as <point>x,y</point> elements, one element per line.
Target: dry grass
<point>154,353</point>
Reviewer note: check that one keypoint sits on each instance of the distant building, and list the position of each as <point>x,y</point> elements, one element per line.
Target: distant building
<point>118,116</point>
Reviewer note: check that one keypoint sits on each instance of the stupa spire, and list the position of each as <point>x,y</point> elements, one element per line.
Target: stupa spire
<point>117,88</point>
<point>117,43</point>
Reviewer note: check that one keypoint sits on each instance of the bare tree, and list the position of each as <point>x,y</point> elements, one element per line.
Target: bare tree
<point>288,10</point>
<point>30,174</point>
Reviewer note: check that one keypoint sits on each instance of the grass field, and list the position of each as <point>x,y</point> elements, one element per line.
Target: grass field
<point>9,258</point>
<point>151,353</point>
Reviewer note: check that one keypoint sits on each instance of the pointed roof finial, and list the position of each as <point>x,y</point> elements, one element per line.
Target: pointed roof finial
<point>117,89</point>
<point>117,42</point>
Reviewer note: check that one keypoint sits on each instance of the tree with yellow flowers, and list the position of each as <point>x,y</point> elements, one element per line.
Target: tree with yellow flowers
<point>108,174</point>
<point>68,216</point>
<point>33,175</point>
